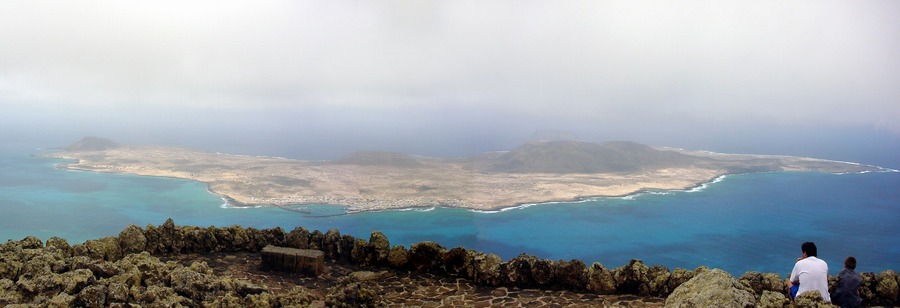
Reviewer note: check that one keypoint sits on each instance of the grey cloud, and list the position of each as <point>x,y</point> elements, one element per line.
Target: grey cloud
<point>635,69</point>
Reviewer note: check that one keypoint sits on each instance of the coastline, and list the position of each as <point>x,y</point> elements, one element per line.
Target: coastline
<point>231,202</point>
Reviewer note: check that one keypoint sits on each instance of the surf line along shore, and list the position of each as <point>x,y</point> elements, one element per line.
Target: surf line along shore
<point>533,173</point>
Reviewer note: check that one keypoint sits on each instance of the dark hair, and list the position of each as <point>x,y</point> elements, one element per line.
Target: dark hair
<point>809,248</point>
<point>850,263</point>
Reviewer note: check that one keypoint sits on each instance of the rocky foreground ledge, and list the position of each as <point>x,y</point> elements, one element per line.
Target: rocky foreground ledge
<point>169,265</point>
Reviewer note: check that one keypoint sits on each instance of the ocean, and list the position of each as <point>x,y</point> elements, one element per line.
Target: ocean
<point>750,222</point>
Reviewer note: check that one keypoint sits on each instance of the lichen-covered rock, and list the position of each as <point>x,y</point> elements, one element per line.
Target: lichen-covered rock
<point>712,288</point>
<point>38,262</point>
<point>52,283</point>
<point>600,280</point>
<point>347,244</point>
<point>170,237</point>
<point>196,239</point>
<point>632,278</point>
<point>92,296</point>
<point>160,296</point>
<point>240,238</point>
<point>297,238</point>
<point>216,239</point>
<point>331,244</point>
<point>811,299</point>
<point>677,277</point>
<point>867,287</point>
<point>31,242</point>
<point>296,297</point>
<point>760,282</point>
<point>378,250</point>
<point>543,272</point>
<point>260,300</point>
<point>143,269</point>
<point>272,236</point>
<point>398,257</point>
<point>60,244</point>
<point>61,300</point>
<point>770,299</point>
<point>426,257</point>
<point>887,289</point>
<point>106,248</point>
<point>486,269</point>
<point>572,275</point>
<point>230,301</point>
<point>659,280</point>
<point>8,292</point>
<point>315,240</point>
<point>101,269</point>
<point>358,251</point>
<point>350,295</point>
<point>518,271</point>
<point>700,270</point>
<point>197,282</point>
<point>132,240</point>
<point>117,293</point>
<point>10,267</point>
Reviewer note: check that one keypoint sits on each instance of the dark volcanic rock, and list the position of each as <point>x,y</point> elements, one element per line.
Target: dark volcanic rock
<point>887,289</point>
<point>760,282</point>
<point>633,278</point>
<point>398,257</point>
<point>811,299</point>
<point>331,244</point>
<point>677,277</point>
<point>426,257</point>
<point>109,272</point>
<point>132,240</point>
<point>572,275</point>
<point>298,238</point>
<point>456,262</point>
<point>601,280</point>
<point>486,269</point>
<point>379,249</point>
<point>351,295</point>
<point>517,272</point>
<point>659,280</point>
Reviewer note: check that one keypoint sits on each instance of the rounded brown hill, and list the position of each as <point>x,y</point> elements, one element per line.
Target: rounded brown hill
<point>584,157</point>
<point>92,144</point>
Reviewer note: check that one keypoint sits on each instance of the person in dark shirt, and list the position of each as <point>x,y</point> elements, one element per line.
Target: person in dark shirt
<point>846,294</point>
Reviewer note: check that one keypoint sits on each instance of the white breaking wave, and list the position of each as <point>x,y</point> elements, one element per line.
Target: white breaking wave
<point>706,185</point>
<point>417,209</point>
<point>518,207</point>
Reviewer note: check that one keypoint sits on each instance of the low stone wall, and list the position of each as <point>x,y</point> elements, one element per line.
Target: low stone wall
<point>486,269</point>
<point>307,261</point>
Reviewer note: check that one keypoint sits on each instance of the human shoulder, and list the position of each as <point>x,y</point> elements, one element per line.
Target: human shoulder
<point>815,260</point>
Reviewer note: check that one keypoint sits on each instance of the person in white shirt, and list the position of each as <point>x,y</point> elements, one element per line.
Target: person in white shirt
<point>810,274</point>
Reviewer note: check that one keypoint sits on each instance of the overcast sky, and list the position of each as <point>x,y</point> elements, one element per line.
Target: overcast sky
<point>419,75</point>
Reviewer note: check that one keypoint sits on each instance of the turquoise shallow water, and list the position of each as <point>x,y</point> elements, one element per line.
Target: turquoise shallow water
<point>752,222</point>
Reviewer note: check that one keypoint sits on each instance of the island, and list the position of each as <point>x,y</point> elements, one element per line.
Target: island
<point>536,172</point>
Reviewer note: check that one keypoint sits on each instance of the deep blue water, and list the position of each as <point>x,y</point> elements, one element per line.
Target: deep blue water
<point>753,222</point>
